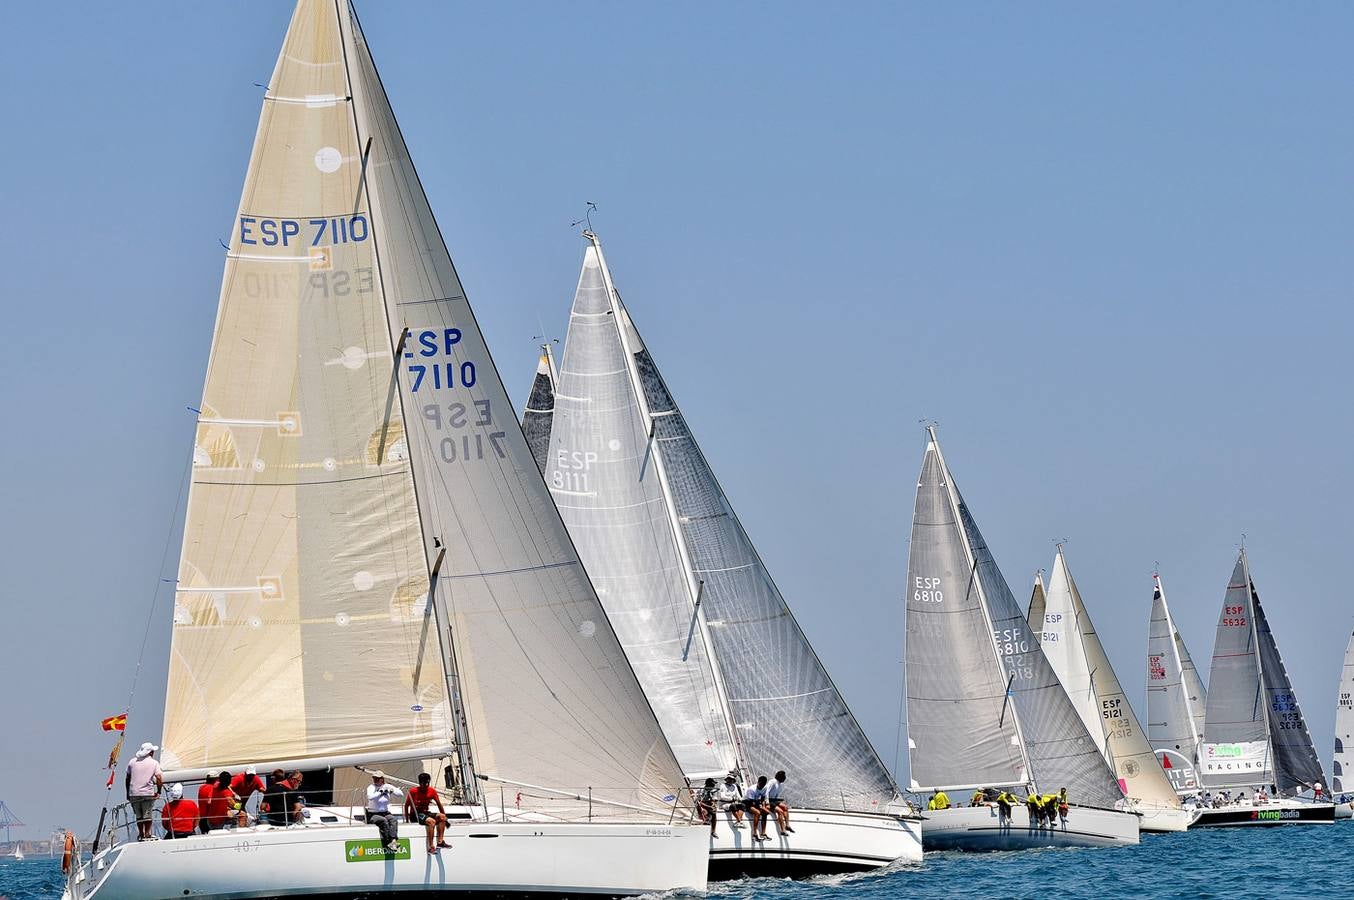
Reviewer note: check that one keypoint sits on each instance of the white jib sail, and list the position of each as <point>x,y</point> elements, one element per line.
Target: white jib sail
<point>1175,697</point>
<point>1342,780</point>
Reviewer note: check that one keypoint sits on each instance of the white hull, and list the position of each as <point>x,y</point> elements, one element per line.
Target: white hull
<point>504,859</point>
<point>1162,819</point>
<point>1344,810</point>
<point>979,828</point>
<point>823,843</point>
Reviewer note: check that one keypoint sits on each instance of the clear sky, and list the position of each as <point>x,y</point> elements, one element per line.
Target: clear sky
<point>1106,247</point>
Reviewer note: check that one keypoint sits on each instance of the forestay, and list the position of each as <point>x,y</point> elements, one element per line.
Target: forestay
<point>545,687</point>
<point>605,484</point>
<point>1342,776</point>
<point>299,618</point>
<point>1236,749</point>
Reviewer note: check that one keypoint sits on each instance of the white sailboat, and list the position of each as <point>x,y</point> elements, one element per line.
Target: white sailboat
<point>736,685</point>
<point>984,708</point>
<point>18,852</point>
<point>1176,698</point>
<point>1255,737</point>
<point>1072,646</point>
<point>372,569</point>
<point>1342,781</point>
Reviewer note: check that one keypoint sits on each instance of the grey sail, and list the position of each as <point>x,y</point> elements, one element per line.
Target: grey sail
<point>540,409</point>
<point>605,484</point>
<point>778,698</point>
<point>543,688</point>
<point>1236,751</point>
<point>1175,697</point>
<point>961,729</point>
<point>1296,765</point>
<point>1038,600</point>
<point>1342,774</point>
<point>1061,751</point>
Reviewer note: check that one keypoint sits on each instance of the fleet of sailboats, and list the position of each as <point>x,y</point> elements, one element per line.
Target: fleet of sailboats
<point>380,567</point>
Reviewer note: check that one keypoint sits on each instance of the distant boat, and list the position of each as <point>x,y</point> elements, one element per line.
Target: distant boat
<point>18,852</point>
<point>1175,698</point>
<point>1072,646</point>
<point>984,708</point>
<point>372,571</point>
<point>734,680</point>
<point>1342,781</point>
<point>1255,737</point>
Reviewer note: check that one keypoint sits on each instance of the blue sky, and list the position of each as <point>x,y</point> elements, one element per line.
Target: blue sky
<point>1106,247</point>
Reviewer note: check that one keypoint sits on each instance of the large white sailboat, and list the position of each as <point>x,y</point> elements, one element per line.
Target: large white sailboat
<point>984,708</point>
<point>1176,698</point>
<point>737,687</point>
<point>1072,646</point>
<point>1342,776</point>
<point>1256,742</point>
<point>372,569</point>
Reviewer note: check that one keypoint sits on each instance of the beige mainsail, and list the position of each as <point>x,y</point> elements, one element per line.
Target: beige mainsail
<point>303,625</point>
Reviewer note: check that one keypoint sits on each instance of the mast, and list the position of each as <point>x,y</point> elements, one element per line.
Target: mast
<point>693,585</point>
<point>1010,705</point>
<point>446,646</point>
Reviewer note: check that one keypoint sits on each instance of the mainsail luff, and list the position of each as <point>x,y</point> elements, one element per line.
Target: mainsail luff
<point>1175,694</point>
<point>549,695</point>
<point>1342,769</point>
<point>1126,747</point>
<point>296,611</point>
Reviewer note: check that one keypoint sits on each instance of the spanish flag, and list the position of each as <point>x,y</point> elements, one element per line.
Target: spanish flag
<point>115,723</point>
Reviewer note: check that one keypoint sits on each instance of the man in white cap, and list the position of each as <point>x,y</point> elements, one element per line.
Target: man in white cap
<point>245,785</point>
<point>144,781</point>
<point>179,816</point>
<point>378,809</point>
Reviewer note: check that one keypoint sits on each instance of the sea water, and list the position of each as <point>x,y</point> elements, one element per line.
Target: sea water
<point>1291,861</point>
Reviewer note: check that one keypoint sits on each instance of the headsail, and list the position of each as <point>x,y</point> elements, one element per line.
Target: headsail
<point>647,476</point>
<point>1236,749</point>
<point>340,310</point>
<point>540,409</point>
<point>1296,765</point>
<point>982,698</point>
<point>1342,776</point>
<point>1175,697</point>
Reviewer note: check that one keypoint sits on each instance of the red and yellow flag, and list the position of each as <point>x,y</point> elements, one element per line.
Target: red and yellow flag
<point>115,723</point>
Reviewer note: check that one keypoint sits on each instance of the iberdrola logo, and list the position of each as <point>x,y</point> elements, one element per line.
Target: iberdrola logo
<point>373,851</point>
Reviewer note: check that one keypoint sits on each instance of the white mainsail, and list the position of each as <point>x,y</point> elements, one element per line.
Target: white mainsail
<point>372,567</point>
<point>1175,697</point>
<point>1125,743</point>
<point>1342,776</point>
<point>1060,636</point>
<point>984,706</point>
<point>735,682</point>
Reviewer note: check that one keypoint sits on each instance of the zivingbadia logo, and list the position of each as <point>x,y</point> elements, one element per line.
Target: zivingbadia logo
<point>1272,814</point>
<point>374,851</point>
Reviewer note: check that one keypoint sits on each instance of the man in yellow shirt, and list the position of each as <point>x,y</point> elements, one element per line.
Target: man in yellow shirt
<point>939,800</point>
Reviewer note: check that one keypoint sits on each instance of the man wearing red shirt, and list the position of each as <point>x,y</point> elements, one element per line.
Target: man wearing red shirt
<point>416,809</point>
<point>179,815</point>
<point>204,796</point>
<point>245,785</point>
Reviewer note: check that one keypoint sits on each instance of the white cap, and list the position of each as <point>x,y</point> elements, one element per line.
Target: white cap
<point>176,791</point>
<point>211,776</point>
<point>250,770</point>
<point>377,773</point>
<point>145,750</point>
